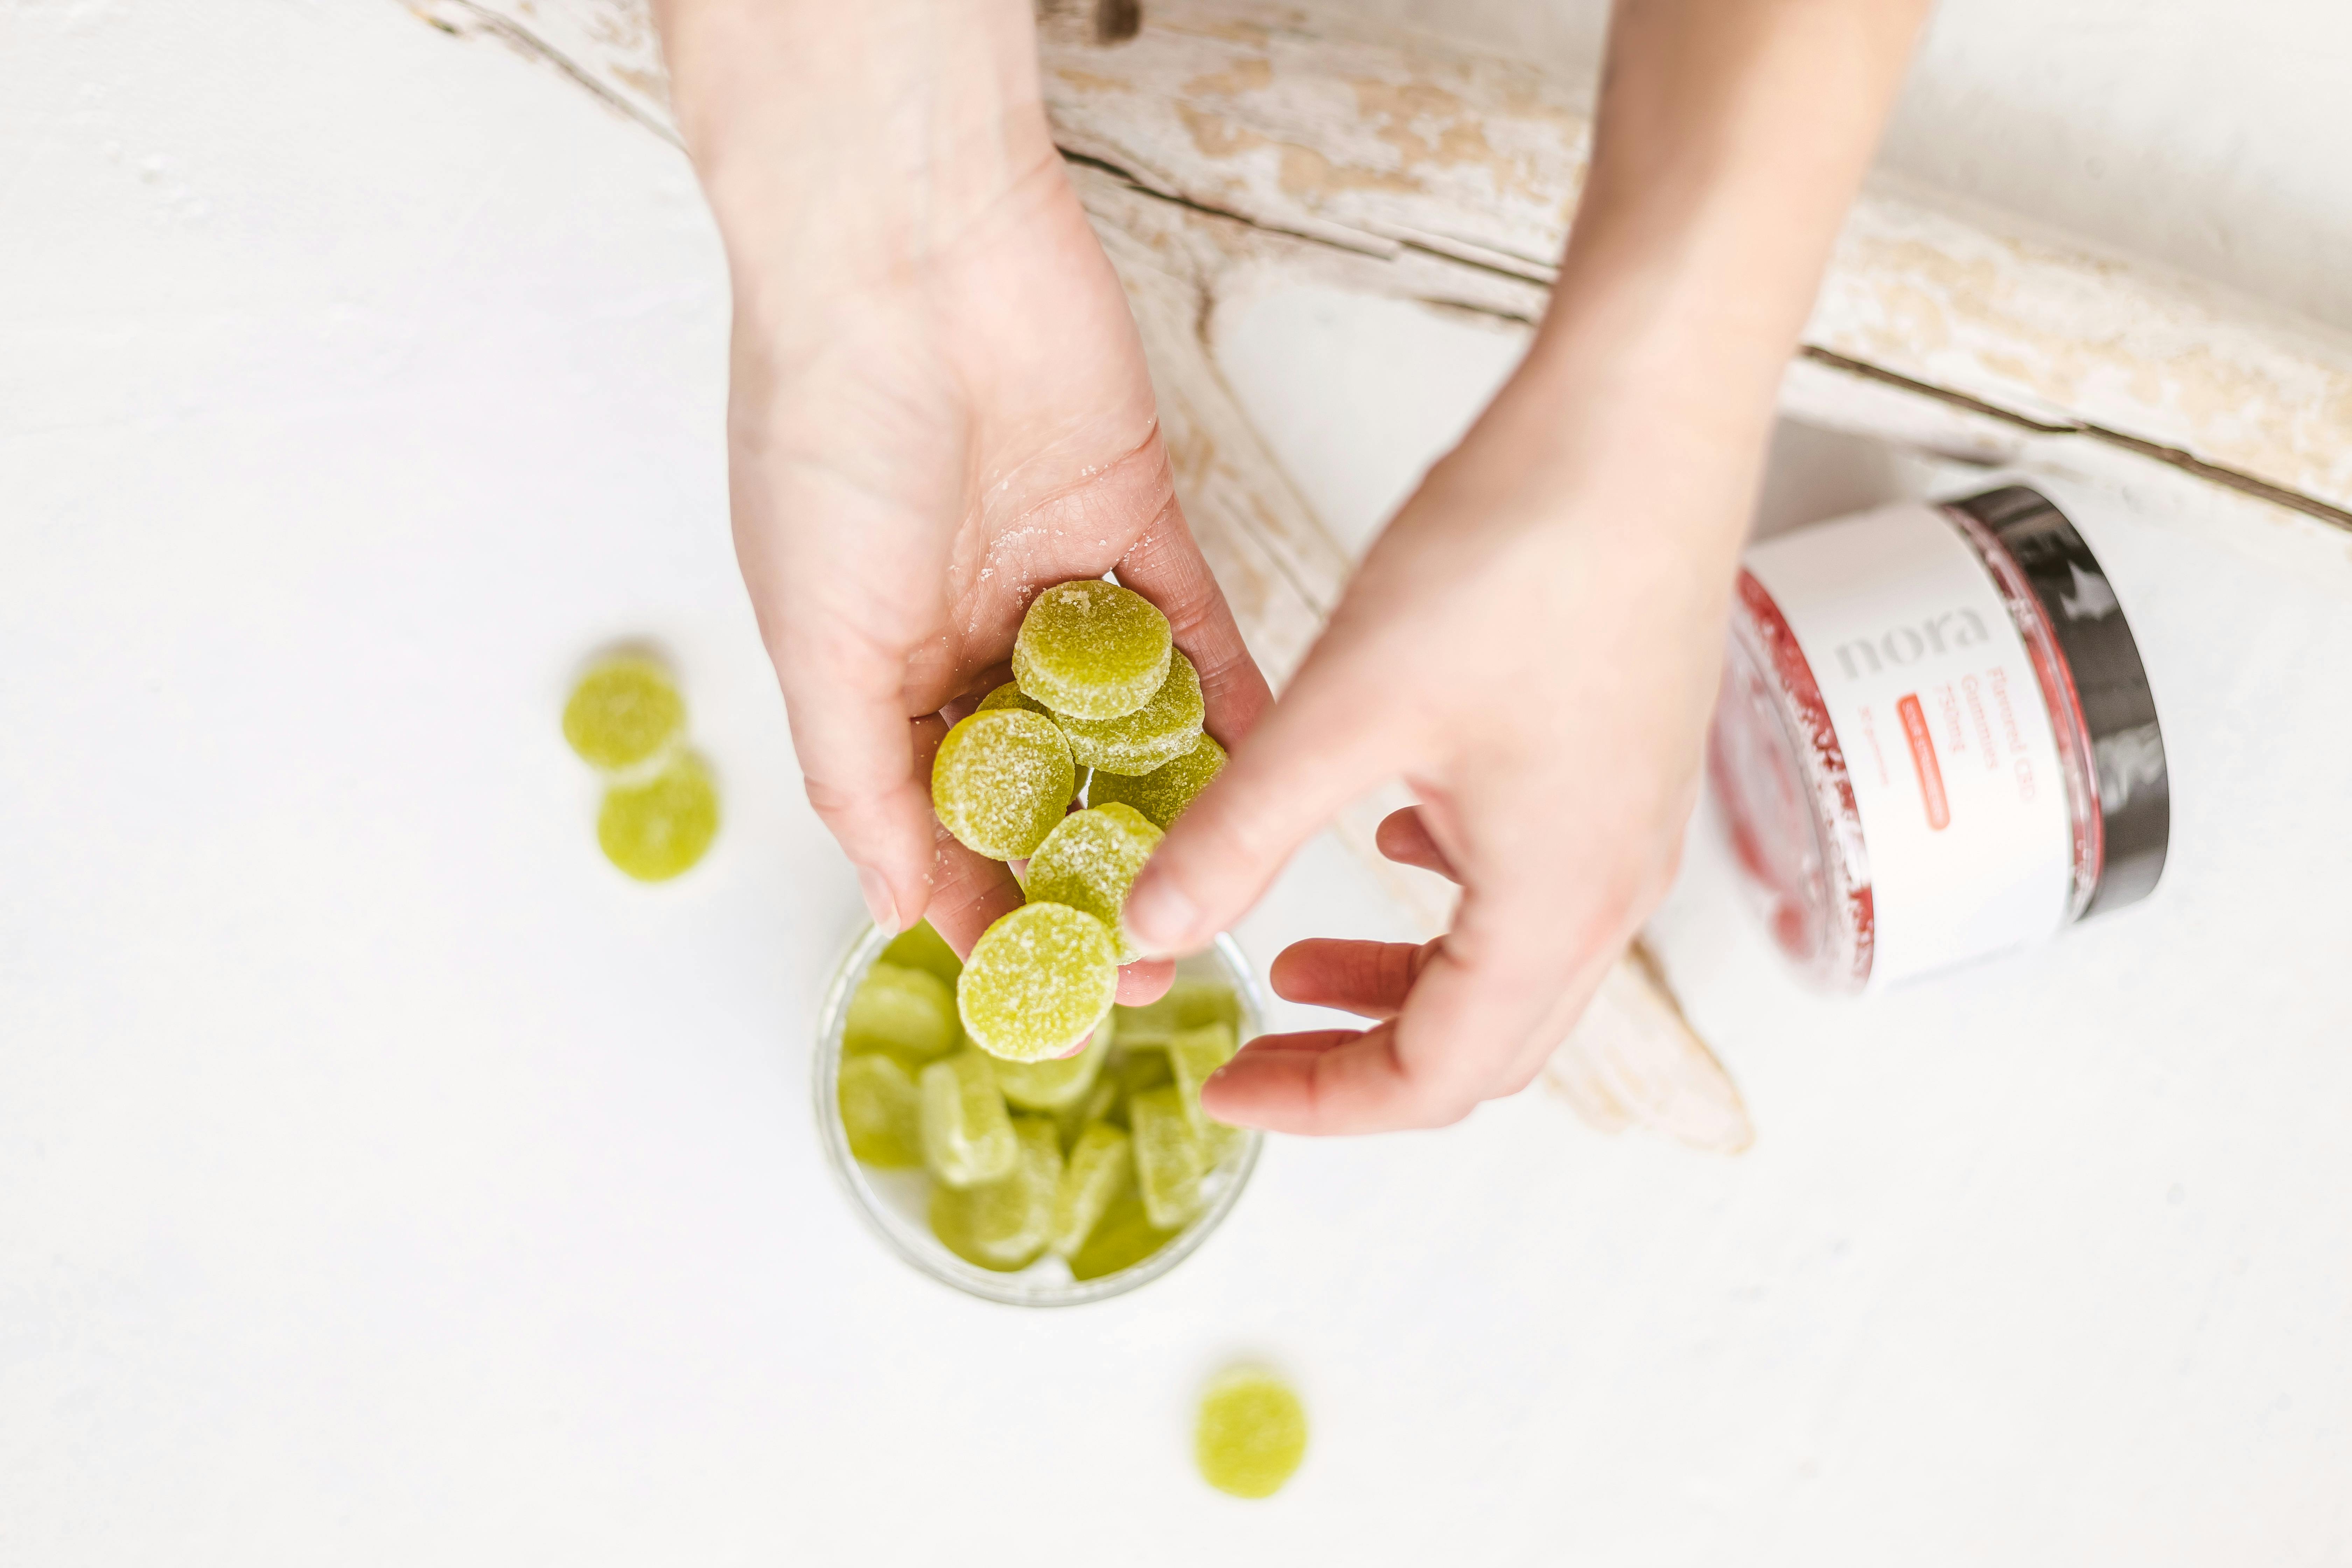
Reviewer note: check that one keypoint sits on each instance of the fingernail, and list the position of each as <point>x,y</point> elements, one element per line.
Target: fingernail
<point>878,900</point>
<point>1159,917</point>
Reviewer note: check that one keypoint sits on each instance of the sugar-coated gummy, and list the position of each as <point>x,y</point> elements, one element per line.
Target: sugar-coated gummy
<point>1122,1239</point>
<point>1191,1002</point>
<point>1091,649</point>
<point>1252,1432</point>
<point>1055,1082</point>
<point>1169,1161</point>
<point>1164,794</point>
<point>1072,1121</point>
<point>1000,781</point>
<point>909,1012</point>
<point>1149,739</point>
<point>967,1135</point>
<point>1142,1068</point>
<point>623,712</point>
<point>1010,695</point>
<point>1037,981</point>
<point>1003,1225</point>
<point>1089,860</point>
<point>920,947</point>
<point>661,827</point>
<point>1192,1056</point>
<point>1098,1169</point>
<point>880,1111</point>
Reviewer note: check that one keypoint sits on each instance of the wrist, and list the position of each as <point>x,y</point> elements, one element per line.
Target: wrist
<point>852,141</point>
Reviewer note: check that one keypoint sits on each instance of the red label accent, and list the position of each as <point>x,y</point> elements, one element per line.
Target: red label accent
<point>1923,760</point>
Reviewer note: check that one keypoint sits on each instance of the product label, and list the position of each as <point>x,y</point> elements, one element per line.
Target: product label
<point>1952,755</point>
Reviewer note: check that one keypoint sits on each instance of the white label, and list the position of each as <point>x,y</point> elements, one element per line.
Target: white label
<point>1954,763</point>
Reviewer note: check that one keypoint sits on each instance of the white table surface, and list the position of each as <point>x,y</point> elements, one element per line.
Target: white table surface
<point>383,1179</point>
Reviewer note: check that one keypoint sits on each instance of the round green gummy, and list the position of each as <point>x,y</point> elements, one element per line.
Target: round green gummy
<point>1003,1225</point>
<point>1090,861</point>
<point>1252,1432</point>
<point>1000,781</point>
<point>1162,794</point>
<point>623,712</point>
<point>1151,737</point>
<point>879,1111</point>
<point>1010,695</point>
<point>1056,1082</point>
<point>1091,649</point>
<point>1122,1239</point>
<point>920,947</point>
<point>909,1012</point>
<point>1097,1171</point>
<point>967,1135</point>
<point>1037,980</point>
<point>658,828</point>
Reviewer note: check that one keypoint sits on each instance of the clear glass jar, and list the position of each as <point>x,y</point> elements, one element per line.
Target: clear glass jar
<point>892,1203</point>
<point>1935,738</point>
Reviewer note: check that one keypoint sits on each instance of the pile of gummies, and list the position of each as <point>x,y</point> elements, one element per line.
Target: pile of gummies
<point>1048,1119</point>
<point>1099,1158</point>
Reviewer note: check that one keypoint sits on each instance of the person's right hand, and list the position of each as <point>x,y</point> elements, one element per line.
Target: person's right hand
<point>940,403</point>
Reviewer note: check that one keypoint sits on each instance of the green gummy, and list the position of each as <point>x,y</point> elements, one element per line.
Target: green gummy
<point>1091,649</point>
<point>1164,793</point>
<point>1169,1159</point>
<point>1055,1082</point>
<point>1188,1004</point>
<point>966,1133</point>
<point>1040,978</point>
<point>1122,1239</point>
<point>1154,735</point>
<point>1100,1104</point>
<point>1142,1069</point>
<point>659,828</point>
<point>1089,860</point>
<point>1097,1171</point>
<point>625,711</point>
<point>1192,1056</point>
<point>909,1012</point>
<point>1000,780</point>
<point>1010,695</point>
<point>1251,1435</point>
<point>1003,1225</point>
<point>920,947</point>
<point>880,1111</point>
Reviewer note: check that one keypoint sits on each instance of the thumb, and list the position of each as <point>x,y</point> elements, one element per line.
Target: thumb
<point>1310,757</point>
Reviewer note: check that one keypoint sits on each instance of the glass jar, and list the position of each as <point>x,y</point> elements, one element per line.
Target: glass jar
<point>893,1202</point>
<point>1935,739</point>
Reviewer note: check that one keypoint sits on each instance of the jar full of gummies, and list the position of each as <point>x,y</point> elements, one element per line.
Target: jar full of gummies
<point>1935,739</point>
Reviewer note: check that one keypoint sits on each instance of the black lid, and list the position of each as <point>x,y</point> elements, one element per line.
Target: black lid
<point>2135,790</point>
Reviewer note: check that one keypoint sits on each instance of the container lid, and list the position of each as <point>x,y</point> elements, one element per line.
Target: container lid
<point>2110,684</point>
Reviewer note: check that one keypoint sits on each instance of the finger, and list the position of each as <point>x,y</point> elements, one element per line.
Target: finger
<point>1318,1084</point>
<point>1404,838</point>
<point>1317,749</point>
<point>1369,979</point>
<point>1145,980</point>
<point>841,697</point>
<point>1165,564</point>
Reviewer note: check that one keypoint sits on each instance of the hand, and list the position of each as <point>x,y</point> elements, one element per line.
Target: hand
<point>938,405</point>
<point>1533,645</point>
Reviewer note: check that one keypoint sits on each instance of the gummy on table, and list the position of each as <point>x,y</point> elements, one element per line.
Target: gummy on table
<point>1037,981</point>
<point>1001,779</point>
<point>625,711</point>
<point>1164,794</point>
<point>1154,735</point>
<point>967,1134</point>
<point>657,829</point>
<point>1089,860</point>
<point>1091,649</point>
<point>1251,1435</point>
